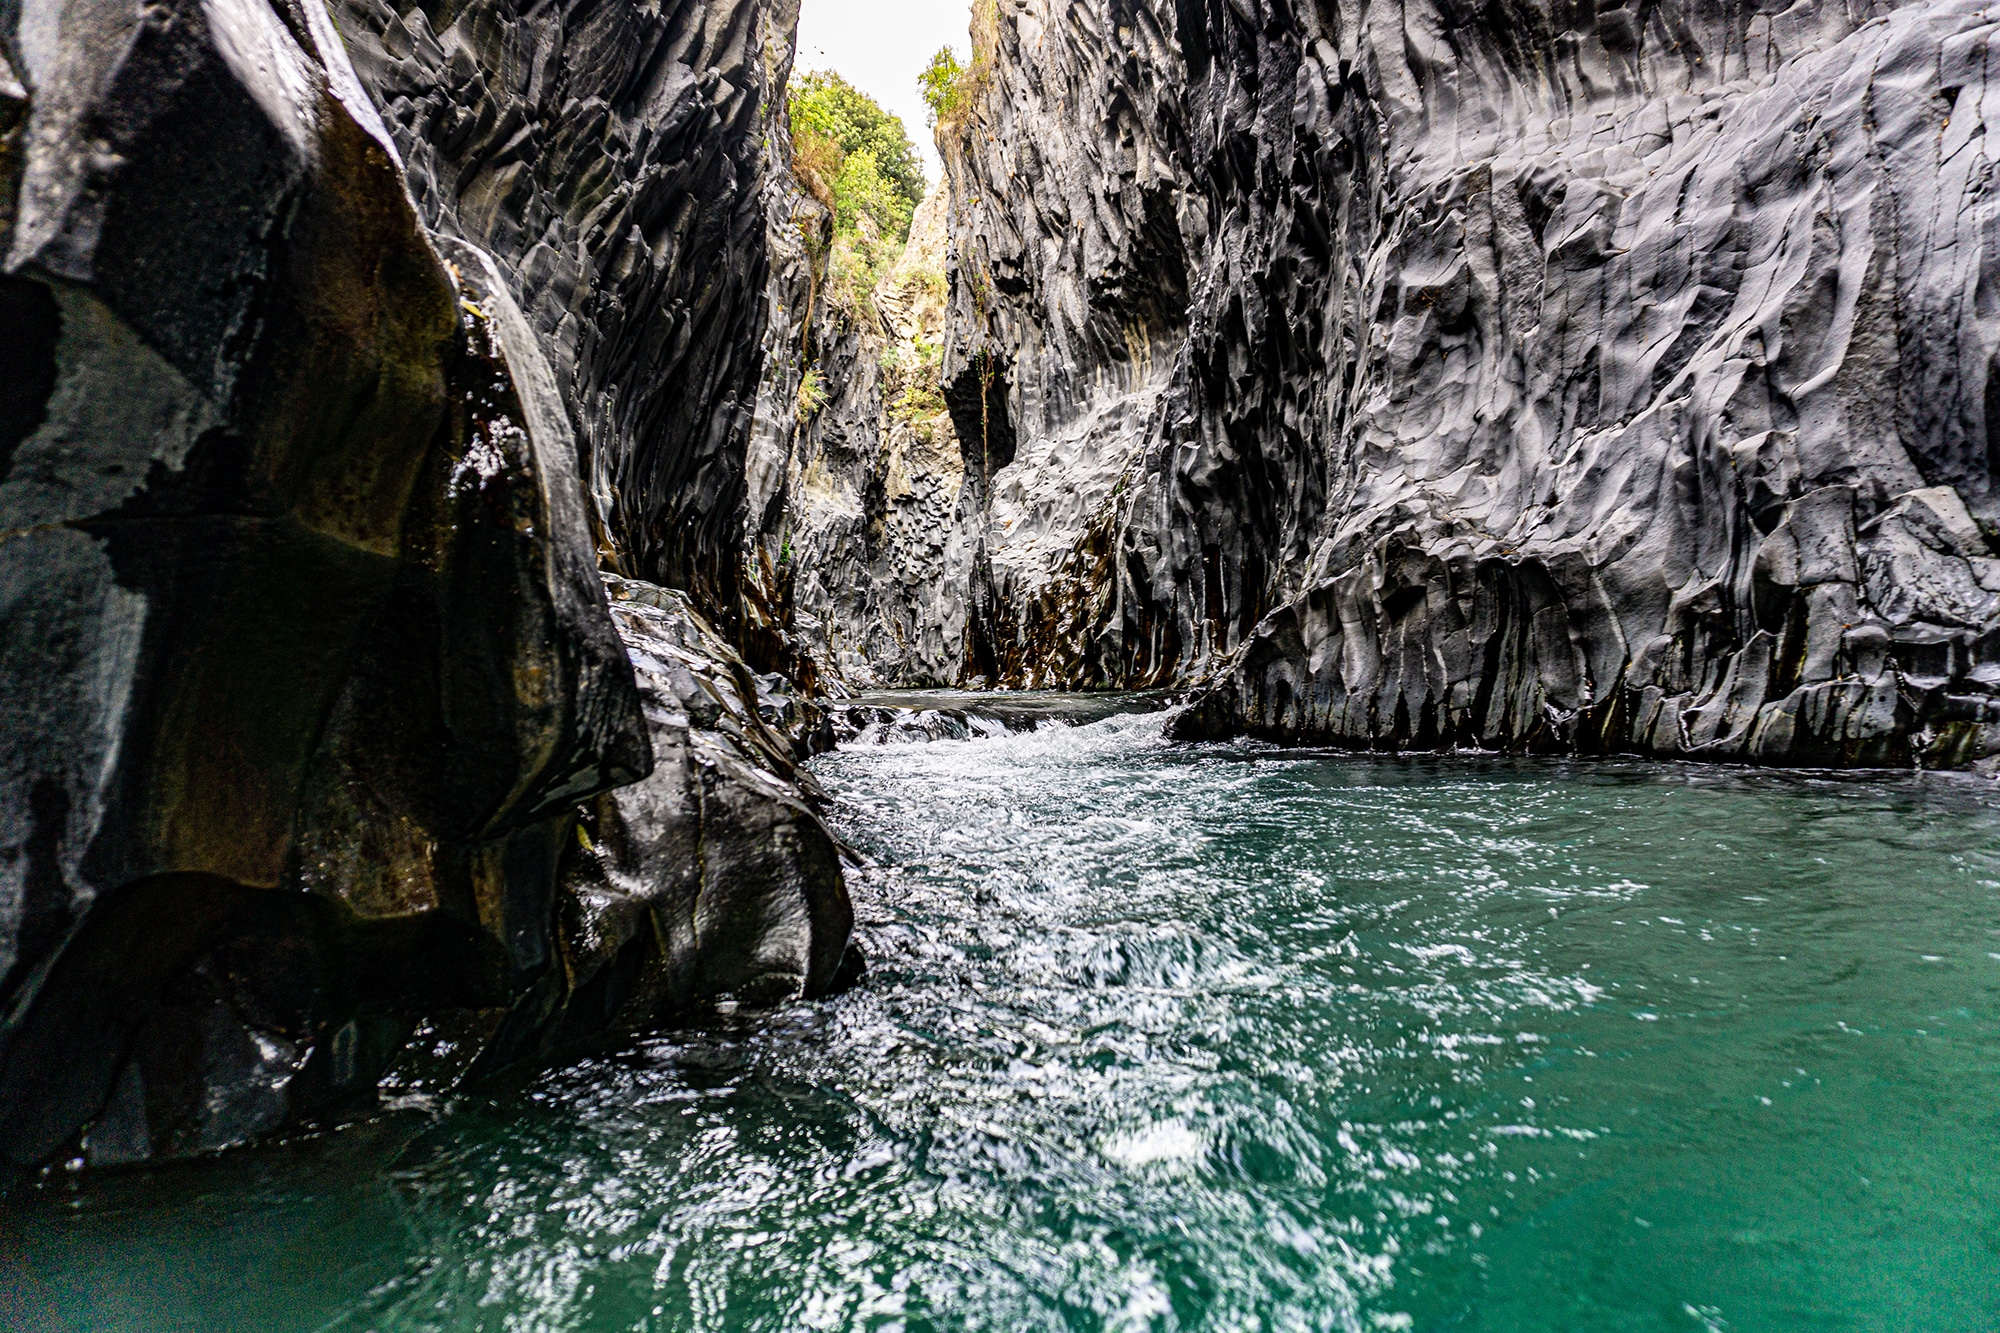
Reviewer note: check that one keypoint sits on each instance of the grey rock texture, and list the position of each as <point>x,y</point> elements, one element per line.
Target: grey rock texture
<point>308,679</point>
<point>799,234</point>
<point>854,521</point>
<point>1561,378</point>
<point>1074,207</point>
<point>714,877</point>
<point>615,158</point>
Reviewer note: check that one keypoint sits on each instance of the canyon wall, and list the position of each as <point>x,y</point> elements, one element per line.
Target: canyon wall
<point>858,503</point>
<point>1558,377</point>
<point>329,775</point>
<point>617,160</point>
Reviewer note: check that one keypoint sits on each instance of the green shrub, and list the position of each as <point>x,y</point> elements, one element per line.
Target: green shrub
<point>812,395</point>
<point>942,85</point>
<point>910,385</point>
<point>869,208</point>
<point>952,88</point>
<point>858,160</point>
<point>827,107</point>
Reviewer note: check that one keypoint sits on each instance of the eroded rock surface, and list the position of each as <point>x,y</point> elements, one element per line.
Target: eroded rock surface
<point>1567,378</point>
<point>1554,378</point>
<point>615,160</point>
<point>714,877</point>
<point>307,675</point>
<point>858,494</point>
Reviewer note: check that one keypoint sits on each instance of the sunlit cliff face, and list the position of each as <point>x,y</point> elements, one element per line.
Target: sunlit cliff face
<point>1419,384</point>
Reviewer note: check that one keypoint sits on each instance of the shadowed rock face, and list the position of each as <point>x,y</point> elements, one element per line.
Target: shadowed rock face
<point>307,674</point>
<point>613,157</point>
<point>1566,378</point>
<point>306,662</point>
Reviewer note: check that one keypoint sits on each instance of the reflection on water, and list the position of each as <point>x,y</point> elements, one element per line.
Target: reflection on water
<point>1214,1037</point>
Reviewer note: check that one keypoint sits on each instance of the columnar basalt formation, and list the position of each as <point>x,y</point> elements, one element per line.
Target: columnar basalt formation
<point>1075,217</point>
<point>316,727</point>
<point>1562,378</point>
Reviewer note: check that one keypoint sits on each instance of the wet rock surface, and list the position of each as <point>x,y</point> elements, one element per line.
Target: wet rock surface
<point>308,680</point>
<point>303,639</point>
<point>714,878</point>
<point>1574,379</point>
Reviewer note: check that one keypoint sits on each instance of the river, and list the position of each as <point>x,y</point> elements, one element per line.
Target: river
<point>1173,1037</point>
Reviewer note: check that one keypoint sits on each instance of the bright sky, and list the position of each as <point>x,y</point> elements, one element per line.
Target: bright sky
<point>880,46</point>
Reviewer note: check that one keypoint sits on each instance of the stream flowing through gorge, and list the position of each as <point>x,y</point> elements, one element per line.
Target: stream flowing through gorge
<point>1220,1037</point>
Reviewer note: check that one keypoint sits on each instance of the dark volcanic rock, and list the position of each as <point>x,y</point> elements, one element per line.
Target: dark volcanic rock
<point>714,877</point>
<point>613,157</point>
<point>1566,378</point>
<point>1074,210</point>
<point>305,663</point>
<point>851,527</point>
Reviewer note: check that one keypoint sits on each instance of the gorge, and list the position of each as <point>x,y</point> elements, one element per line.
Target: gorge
<point>452,500</point>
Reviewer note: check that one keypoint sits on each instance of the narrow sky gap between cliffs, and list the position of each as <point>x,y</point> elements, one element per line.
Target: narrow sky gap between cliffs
<point>880,46</point>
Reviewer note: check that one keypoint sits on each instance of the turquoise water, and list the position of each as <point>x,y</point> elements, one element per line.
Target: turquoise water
<point>1212,1037</point>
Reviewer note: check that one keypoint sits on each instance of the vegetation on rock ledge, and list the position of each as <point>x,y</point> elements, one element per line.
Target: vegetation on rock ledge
<point>951,88</point>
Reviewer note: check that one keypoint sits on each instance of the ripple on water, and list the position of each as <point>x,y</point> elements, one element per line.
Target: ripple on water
<point>1218,1037</point>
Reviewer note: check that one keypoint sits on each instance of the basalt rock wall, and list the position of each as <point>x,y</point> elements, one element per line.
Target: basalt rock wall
<point>326,778</point>
<point>855,530</point>
<point>1559,377</point>
<point>1076,219</point>
<point>617,160</point>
